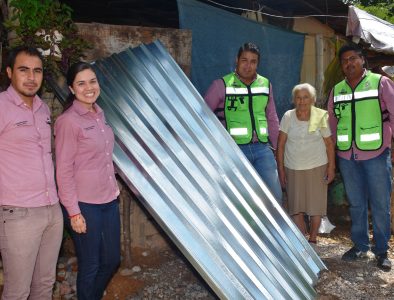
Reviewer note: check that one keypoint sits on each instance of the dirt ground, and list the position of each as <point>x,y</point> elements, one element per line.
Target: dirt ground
<point>166,274</point>
<point>342,280</point>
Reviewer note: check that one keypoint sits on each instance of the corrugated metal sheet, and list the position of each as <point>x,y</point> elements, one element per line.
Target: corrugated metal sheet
<point>187,171</point>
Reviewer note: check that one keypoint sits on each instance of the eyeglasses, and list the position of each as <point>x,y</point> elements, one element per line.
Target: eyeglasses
<point>350,59</point>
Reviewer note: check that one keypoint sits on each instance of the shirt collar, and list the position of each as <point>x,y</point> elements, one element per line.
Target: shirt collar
<point>236,74</point>
<point>362,76</point>
<point>37,102</point>
<point>82,110</point>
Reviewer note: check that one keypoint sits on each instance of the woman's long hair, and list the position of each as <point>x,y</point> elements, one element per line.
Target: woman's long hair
<point>71,74</point>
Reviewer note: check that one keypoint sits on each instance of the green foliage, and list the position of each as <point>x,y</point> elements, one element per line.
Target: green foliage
<point>368,2</point>
<point>333,73</point>
<point>383,9</point>
<point>47,24</point>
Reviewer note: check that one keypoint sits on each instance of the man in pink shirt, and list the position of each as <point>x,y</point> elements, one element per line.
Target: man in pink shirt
<point>31,222</point>
<point>243,102</point>
<point>361,111</point>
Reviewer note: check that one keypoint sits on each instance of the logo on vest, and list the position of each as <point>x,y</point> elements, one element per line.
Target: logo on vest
<point>343,92</point>
<point>367,85</point>
<point>232,100</point>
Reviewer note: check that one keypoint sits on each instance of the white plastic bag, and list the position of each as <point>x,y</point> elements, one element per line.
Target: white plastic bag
<point>325,225</point>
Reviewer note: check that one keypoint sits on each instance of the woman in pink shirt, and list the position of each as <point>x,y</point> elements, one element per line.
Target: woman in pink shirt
<point>86,182</point>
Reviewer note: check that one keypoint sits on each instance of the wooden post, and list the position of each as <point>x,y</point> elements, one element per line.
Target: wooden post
<point>319,69</point>
<point>125,197</point>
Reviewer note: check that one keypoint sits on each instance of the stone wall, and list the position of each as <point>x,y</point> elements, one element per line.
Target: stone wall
<point>108,39</point>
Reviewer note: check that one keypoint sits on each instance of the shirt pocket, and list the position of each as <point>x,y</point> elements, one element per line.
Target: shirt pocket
<point>23,124</point>
<point>20,131</point>
<point>90,140</point>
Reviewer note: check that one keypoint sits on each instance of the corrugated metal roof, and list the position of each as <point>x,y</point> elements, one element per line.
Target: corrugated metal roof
<point>179,160</point>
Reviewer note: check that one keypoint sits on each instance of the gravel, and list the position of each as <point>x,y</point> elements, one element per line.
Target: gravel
<point>171,277</point>
<point>174,279</point>
<point>351,280</point>
<point>359,280</point>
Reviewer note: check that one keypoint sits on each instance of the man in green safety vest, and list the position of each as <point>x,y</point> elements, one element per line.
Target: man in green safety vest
<point>361,110</point>
<point>243,102</point>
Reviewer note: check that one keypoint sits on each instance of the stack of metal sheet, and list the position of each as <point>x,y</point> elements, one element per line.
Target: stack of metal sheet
<point>187,171</point>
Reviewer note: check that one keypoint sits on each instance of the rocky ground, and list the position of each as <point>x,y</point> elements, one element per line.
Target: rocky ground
<point>167,275</point>
<point>351,280</point>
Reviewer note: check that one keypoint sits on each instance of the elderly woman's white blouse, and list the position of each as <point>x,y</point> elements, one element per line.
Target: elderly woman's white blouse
<point>303,150</point>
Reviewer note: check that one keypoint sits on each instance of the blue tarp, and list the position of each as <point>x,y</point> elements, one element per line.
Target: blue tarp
<point>217,36</point>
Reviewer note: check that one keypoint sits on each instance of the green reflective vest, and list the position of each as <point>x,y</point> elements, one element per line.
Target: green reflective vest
<point>359,114</point>
<point>244,108</point>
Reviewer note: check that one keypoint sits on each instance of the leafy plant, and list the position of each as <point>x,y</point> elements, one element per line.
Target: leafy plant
<point>333,73</point>
<point>383,9</point>
<point>48,26</point>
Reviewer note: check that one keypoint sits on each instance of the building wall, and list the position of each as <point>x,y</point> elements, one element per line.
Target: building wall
<point>107,39</point>
<point>319,50</point>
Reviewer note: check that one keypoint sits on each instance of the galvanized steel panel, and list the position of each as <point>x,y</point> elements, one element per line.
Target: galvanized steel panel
<point>187,171</point>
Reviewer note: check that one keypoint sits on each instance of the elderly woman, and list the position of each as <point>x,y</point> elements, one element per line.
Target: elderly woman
<point>306,159</point>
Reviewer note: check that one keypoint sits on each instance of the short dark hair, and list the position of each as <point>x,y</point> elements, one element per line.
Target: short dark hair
<point>21,49</point>
<point>350,47</point>
<point>249,47</point>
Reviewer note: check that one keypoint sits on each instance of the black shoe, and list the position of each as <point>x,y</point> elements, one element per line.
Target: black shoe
<point>383,262</point>
<point>353,254</point>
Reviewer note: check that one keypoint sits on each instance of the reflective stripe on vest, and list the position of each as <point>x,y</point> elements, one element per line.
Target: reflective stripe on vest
<point>244,91</point>
<point>357,95</point>
<point>343,138</point>
<point>359,114</point>
<point>370,137</point>
<point>238,131</point>
<point>244,108</point>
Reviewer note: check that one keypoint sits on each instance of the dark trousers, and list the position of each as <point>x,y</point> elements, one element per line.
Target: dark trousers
<point>98,250</point>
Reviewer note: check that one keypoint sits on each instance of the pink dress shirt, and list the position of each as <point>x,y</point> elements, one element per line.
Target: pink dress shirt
<point>84,168</point>
<point>386,96</point>
<point>215,98</point>
<point>26,168</point>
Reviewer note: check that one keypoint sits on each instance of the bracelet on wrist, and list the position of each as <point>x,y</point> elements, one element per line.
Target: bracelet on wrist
<point>70,217</point>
